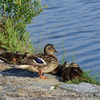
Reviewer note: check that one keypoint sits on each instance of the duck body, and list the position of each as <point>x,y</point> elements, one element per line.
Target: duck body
<point>7,57</point>
<point>59,70</point>
<point>72,72</point>
<point>12,58</point>
<point>42,62</point>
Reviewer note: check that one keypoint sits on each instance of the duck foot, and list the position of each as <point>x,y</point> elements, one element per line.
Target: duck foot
<point>40,74</point>
<point>43,77</point>
<point>14,59</point>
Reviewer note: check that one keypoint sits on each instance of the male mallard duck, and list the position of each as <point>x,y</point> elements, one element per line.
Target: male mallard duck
<point>72,72</point>
<point>12,58</point>
<point>42,62</point>
<point>59,70</point>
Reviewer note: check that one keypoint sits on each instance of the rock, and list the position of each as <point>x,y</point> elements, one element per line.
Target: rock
<point>98,95</point>
<point>17,84</point>
<point>82,87</point>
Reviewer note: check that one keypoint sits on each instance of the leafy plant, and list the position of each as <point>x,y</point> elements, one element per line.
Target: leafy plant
<point>14,17</point>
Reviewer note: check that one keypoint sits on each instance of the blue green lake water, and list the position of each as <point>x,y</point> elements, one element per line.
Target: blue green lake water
<point>74,23</point>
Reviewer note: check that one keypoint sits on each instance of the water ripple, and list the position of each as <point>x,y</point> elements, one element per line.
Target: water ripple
<point>74,23</point>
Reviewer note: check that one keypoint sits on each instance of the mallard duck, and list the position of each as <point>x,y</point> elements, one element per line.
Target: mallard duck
<point>73,71</point>
<point>12,58</point>
<point>59,70</point>
<point>42,62</point>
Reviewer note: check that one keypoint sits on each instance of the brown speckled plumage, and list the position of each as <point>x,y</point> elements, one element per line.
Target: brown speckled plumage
<point>71,72</point>
<point>59,70</point>
<point>8,57</point>
<point>49,61</point>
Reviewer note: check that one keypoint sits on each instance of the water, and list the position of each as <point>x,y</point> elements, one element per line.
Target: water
<point>76,23</point>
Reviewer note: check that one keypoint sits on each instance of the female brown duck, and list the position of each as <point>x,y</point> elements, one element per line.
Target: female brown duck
<point>42,62</point>
<point>73,71</point>
<point>12,58</point>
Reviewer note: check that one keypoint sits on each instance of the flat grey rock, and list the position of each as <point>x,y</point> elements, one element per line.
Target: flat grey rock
<point>82,87</point>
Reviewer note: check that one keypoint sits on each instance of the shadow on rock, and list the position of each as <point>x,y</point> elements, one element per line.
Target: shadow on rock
<point>18,73</point>
<point>24,73</point>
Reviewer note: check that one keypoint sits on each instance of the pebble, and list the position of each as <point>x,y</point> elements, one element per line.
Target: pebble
<point>52,87</point>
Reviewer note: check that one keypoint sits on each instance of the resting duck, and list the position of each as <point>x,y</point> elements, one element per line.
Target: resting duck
<point>42,62</point>
<point>12,58</point>
<point>71,72</point>
<point>59,70</point>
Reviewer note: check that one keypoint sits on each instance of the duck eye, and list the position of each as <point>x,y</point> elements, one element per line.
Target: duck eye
<point>50,48</point>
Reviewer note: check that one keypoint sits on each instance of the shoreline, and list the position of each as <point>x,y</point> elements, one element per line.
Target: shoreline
<point>17,84</point>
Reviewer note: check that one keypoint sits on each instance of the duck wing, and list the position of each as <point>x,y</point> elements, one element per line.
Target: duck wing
<point>6,55</point>
<point>40,59</point>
